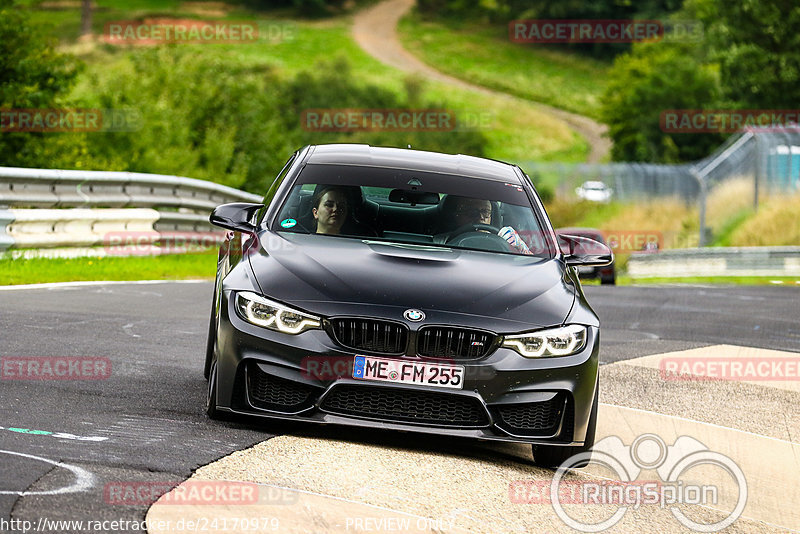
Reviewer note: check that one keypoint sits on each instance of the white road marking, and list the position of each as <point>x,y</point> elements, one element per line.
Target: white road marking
<point>686,419</point>
<point>783,376</point>
<point>127,329</point>
<point>83,478</point>
<point>66,285</point>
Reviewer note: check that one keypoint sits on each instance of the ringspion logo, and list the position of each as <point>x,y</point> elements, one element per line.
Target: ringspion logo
<point>679,483</point>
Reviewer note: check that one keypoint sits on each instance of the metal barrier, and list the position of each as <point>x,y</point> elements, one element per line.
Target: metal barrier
<point>767,159</point>
<point>716,261</point>
<point>51,188</point>
<point>46,228</point>
<point>76,213</point>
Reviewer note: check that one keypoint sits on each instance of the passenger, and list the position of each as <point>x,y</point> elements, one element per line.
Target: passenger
<point>330,210</point>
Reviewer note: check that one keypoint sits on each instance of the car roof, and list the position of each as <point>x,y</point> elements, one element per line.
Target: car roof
<point>414,160</point>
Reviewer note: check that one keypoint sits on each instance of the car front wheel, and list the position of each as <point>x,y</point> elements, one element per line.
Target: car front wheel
<point>212,335</point>
<point>211,397</point>
<point>608,280</point>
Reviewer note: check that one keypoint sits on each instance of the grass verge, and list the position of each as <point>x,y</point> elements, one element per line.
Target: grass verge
<point>723,280</point>
<point>514,131</point>
<point>167,267</point>
<point>482,54</point>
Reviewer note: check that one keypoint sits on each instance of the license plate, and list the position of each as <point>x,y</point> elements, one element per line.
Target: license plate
<point>585,269</point>
<point>428,374</point>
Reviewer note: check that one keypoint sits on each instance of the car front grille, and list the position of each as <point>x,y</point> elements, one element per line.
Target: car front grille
<point>449,342</point>
<point>275,393</point>
<point>532,418</point>
<point>370,335</point>
<point>405,405</point>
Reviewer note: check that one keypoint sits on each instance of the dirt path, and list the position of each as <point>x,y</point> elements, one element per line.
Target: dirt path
<point>375,30</point>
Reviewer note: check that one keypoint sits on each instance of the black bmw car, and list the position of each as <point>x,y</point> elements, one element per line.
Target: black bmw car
<point>409,290</point>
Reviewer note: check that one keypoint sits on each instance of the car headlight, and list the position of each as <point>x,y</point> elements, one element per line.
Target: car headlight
<point>263,312</point>
<point>561,341</point>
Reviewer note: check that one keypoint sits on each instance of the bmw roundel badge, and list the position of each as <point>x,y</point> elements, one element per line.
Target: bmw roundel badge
<point>414,315</point>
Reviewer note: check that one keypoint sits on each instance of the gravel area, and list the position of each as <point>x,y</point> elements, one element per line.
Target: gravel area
<point>762,410</point>
<point>476,492</point>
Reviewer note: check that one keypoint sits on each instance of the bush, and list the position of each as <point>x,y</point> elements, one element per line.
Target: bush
<point>651,79</point>
<point>212,118</point>
<point>32,76</point>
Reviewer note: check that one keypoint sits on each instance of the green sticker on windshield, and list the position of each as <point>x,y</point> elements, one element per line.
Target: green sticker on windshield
<point>288,223</point>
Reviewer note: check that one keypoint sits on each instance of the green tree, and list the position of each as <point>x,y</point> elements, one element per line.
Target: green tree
<point>33,76</point>
<point>212,117</point>
<point>653,78</point>
<point>758,49</point>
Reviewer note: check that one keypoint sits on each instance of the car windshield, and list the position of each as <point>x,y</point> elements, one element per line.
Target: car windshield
<point>413,207</point>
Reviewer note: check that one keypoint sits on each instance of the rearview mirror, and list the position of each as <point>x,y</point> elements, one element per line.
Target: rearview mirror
<point>584,251</point>
<point>235,216</point>
<point>406,196</point>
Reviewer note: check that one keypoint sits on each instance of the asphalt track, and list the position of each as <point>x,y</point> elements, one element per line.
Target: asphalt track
<point>145,421</point>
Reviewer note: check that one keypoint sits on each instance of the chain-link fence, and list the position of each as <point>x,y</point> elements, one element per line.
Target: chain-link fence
<point>747,166</point>
<point>625,182</point>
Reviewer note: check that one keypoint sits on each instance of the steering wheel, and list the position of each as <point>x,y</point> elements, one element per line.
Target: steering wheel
<point>480,236</point>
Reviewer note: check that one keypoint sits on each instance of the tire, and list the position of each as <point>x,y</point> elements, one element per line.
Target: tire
<point>610,280</point>
<point>211,397</point>
<point>552,456</point>
<point>211,339</point>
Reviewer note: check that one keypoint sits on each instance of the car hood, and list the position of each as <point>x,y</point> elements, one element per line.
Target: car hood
<point>330,275</point>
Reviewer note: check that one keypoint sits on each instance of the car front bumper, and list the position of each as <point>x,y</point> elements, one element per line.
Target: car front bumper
<point>505,397</point>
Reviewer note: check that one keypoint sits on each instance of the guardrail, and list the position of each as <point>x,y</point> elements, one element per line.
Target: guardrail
<point>77,232</point>
<point>716,261</point>
<point>51,188</point>
<point>77,213</point>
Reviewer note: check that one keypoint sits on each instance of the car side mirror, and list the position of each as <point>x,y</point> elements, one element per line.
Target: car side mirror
<point>584,251</point>
<point>235,216</point>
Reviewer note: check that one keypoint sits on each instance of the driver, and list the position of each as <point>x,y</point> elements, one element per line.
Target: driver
<point>472,211</point>
<point>477,211</point>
